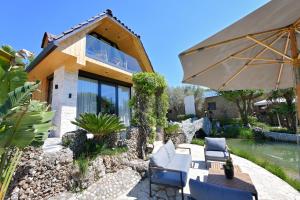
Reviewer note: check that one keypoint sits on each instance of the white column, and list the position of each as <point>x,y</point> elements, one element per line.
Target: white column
<point>64,100</point>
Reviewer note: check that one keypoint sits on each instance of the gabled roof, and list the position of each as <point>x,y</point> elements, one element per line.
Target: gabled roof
<point>49,37</point>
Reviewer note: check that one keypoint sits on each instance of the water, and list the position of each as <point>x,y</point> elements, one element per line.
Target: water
<point>285,155</point>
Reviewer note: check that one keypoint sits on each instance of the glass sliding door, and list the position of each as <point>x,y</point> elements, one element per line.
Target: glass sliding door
<point>108,99</point>
<point>87,96</point>
<point>123,104</point>
<point>94,96</point>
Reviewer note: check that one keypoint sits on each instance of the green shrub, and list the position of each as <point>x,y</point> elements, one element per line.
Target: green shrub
<point>231,131</point>
<point>171,129</point>
<point>246,133</point>
<point>198,142</point>
<point>252,120</point>
<point>262,125</point>
<point>230,121</point>
<point>101,125</point>
<point>281,130</point>
<point>185,117</point>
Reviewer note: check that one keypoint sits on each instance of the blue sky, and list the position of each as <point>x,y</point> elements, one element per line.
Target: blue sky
<point>166,27</point>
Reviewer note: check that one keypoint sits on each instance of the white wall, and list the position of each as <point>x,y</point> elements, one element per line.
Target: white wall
<point>62,104</point>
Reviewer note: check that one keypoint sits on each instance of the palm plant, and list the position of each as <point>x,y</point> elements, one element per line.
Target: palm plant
<point>22,120</point>
<point>100,125</point>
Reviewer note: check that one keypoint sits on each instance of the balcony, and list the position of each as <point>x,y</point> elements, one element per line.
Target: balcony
<point>103,52</point>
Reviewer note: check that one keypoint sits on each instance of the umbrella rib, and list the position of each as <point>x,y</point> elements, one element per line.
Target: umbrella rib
<point>281,66</point>
<point>269,47</point>
<point>233,39</point>
<point>234,54</point>
<point>261,59</point>
<point>250,61</point>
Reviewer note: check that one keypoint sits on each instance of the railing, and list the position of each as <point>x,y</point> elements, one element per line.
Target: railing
<point>103,52</point>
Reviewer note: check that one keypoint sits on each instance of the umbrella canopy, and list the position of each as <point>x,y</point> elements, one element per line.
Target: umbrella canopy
<point>260,51</point>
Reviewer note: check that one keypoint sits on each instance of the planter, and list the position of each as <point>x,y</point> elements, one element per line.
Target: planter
<point>229,172</point>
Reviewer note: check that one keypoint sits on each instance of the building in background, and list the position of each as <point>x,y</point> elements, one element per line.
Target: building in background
<point>220,108</point>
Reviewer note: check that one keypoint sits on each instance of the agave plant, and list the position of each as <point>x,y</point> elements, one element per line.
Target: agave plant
<point>22,120</point>
<point>100,125</point>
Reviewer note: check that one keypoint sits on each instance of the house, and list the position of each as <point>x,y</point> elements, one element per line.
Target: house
<point>88,68</point>
<point>220,108</point>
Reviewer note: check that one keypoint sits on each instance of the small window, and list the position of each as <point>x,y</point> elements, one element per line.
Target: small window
<point>211,106</point>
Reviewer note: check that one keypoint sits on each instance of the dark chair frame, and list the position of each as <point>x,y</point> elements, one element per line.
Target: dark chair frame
<point>180,173</point>
<point>221,160</point>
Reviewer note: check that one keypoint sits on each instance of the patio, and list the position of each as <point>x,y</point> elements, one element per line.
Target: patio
<point>270,187</point>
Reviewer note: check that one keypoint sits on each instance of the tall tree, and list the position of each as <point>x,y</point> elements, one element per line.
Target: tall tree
<point>243,100</point>
<point>287,108</point>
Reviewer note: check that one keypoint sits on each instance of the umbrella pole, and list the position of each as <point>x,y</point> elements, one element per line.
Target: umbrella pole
<point>296,66</point>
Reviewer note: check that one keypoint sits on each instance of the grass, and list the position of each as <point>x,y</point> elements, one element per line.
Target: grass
<point>273,168</point>
<point>113,151</point>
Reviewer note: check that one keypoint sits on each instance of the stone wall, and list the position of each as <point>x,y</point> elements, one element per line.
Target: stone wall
<point>285,137</point>
<point>41,175</point>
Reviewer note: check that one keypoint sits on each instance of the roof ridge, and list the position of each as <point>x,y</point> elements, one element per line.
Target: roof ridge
<point>52,37</point>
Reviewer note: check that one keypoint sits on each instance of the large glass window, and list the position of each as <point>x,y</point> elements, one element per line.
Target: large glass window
<point>95,96</point>
<point>108,99</point>
<point>87,96</point>
<point>123,107</point>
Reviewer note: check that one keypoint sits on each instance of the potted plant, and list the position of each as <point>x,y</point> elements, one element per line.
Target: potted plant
<point>228,169</point>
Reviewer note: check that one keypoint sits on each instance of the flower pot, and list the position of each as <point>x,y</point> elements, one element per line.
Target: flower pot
<point>229,172</point>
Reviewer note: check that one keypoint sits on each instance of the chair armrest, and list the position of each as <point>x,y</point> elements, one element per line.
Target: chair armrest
<point>165,169</point>
<point>190,151</point>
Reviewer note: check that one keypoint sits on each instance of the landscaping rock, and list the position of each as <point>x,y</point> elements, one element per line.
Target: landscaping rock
<point>75,140</point>
<point>41,175</point>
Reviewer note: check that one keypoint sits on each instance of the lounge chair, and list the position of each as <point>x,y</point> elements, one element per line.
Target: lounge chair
<point>205,191</point>
<point>215,149</point>
<point>168,168</point>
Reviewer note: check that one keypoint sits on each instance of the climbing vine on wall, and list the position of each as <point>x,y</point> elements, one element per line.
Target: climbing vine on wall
<point>149,104</point>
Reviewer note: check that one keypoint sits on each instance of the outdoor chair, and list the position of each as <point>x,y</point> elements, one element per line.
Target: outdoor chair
<point>205,191</point>
<point>168,168</point>
<point>215,149</point>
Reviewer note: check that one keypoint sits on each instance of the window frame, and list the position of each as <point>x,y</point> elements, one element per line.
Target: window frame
<point>108,81</point>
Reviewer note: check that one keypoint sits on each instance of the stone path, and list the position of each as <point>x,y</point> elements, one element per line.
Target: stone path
<point>269,186</point>
<point>108,187</point>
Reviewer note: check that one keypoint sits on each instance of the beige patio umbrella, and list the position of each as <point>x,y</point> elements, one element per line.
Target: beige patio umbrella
<point>260,51</point>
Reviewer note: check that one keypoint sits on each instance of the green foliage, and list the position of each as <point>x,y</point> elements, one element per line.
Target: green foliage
<point>176,100</point>
<point>100,125</point>
<point>22,121</point>
<point>83,164</point>
<point>236,131</point>
<point>150,106</point>
<point>184,117</point>
<point>197,141</point>
<point>281,130</point>
<point>243,100</point>
<point>92,149</point>
<point>171,129</point>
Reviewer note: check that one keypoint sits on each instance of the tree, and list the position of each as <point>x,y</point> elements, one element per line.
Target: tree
<point>23,121</point>
<point>286,109</point>
<point>150,105</point>
<point>243,100</point>
<point>176,99</point>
